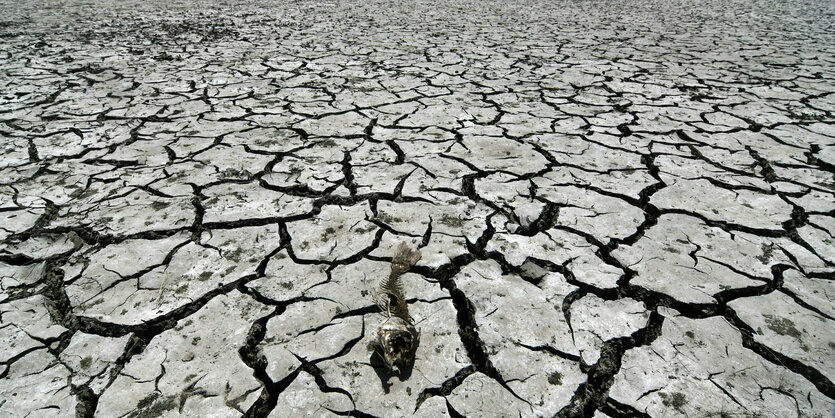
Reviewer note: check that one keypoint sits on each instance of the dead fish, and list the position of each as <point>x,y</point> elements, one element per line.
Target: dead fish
<point>397,337</point>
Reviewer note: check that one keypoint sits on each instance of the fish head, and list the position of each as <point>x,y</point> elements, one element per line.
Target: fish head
<point>398,340</point>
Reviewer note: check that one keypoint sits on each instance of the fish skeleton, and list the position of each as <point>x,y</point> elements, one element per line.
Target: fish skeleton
<point>397,337</point>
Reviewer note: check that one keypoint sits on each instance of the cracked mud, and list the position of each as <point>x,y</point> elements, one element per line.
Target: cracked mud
<point>624,208</point>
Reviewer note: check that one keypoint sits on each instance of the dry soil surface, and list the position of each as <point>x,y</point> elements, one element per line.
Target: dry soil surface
<point>624,207</point>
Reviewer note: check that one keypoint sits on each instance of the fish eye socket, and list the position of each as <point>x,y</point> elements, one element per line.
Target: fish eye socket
<point>401,343</point>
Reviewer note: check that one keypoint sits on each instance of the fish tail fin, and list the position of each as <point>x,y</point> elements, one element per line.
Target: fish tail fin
<point>404,258</point>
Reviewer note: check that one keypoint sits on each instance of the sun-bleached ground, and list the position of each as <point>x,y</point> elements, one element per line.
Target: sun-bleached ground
<point>624,208</point>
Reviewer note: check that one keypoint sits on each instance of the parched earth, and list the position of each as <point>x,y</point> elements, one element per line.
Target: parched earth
<point>625,208</point>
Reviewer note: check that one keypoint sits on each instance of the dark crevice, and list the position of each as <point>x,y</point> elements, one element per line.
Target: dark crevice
<point>593,393</point>
<point>447,387</point>
<point>821,382</point>
<point>87,401</point>
<point>614,408</point>
<point>551,350</point>
<point>252,355</point>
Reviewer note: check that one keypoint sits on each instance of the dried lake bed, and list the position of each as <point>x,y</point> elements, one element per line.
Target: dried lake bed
<point>623,208</point>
